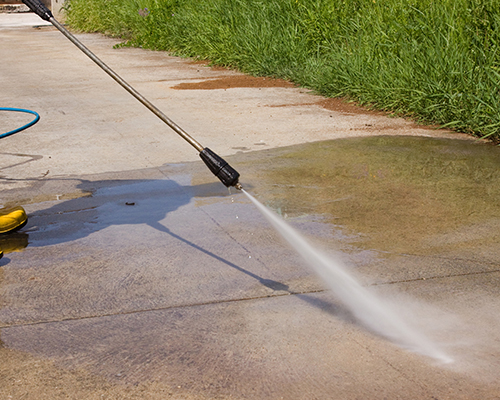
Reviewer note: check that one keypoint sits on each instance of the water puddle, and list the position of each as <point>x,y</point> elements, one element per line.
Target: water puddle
<point>415,195</point>
<point>96,205</point>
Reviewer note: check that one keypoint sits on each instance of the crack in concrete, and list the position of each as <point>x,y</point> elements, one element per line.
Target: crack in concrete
<point>392,366</point>
<point>451,258</point>
<point>32,158</point>
<point>207,303</point>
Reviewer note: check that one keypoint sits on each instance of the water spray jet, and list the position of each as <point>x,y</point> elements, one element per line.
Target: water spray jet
<point>371,311</point>
<point>219,167</point>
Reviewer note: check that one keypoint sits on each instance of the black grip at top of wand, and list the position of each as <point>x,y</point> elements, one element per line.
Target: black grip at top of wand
<point>39,8</point>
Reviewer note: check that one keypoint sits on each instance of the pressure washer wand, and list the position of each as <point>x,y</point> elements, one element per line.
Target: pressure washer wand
<point>219,167</point>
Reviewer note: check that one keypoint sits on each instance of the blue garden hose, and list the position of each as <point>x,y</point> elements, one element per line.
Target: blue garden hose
<point>22,128</point>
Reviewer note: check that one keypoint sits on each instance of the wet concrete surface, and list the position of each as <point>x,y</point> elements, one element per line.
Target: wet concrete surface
<point>428,194</point>
<point>169,284</point>
<point>152,281</point>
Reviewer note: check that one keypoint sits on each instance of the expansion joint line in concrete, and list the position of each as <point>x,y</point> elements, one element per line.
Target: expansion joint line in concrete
<point>228,301</point>
<point>436,277</point>
<point>207,303</point>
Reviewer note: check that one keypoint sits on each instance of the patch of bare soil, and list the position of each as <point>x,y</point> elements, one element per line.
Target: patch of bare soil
<point>234,81</point>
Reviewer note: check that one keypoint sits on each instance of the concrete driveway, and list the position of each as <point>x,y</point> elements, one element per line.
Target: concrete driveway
<point>139,276</point>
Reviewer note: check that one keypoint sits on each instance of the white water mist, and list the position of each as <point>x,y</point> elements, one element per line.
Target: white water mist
<point>369,309</point>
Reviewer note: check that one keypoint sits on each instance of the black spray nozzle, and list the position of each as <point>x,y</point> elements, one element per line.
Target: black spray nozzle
<point>39,8</point>
<point>220,168</point>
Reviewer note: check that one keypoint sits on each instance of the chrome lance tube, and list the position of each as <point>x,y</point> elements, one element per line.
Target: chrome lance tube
<point>219,167</point>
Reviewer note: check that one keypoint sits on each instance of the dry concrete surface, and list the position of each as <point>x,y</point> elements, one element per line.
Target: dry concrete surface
<point>139,276</point>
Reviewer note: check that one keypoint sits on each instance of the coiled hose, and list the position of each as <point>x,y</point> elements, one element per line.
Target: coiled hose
<point>22,128</point>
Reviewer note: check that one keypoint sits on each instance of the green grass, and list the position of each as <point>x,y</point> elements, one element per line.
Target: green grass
<point>437,62</point>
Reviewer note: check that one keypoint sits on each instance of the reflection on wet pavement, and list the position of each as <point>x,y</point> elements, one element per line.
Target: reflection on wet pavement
<point>13,242</point>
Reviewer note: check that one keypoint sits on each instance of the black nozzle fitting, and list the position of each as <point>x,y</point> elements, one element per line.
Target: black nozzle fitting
<point>219,167</point>
<point>39,8</point>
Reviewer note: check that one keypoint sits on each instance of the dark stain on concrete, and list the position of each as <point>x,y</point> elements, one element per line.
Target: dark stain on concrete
<point>235,81</point>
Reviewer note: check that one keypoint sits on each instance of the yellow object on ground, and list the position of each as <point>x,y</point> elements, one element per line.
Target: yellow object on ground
<point>12,219</point>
